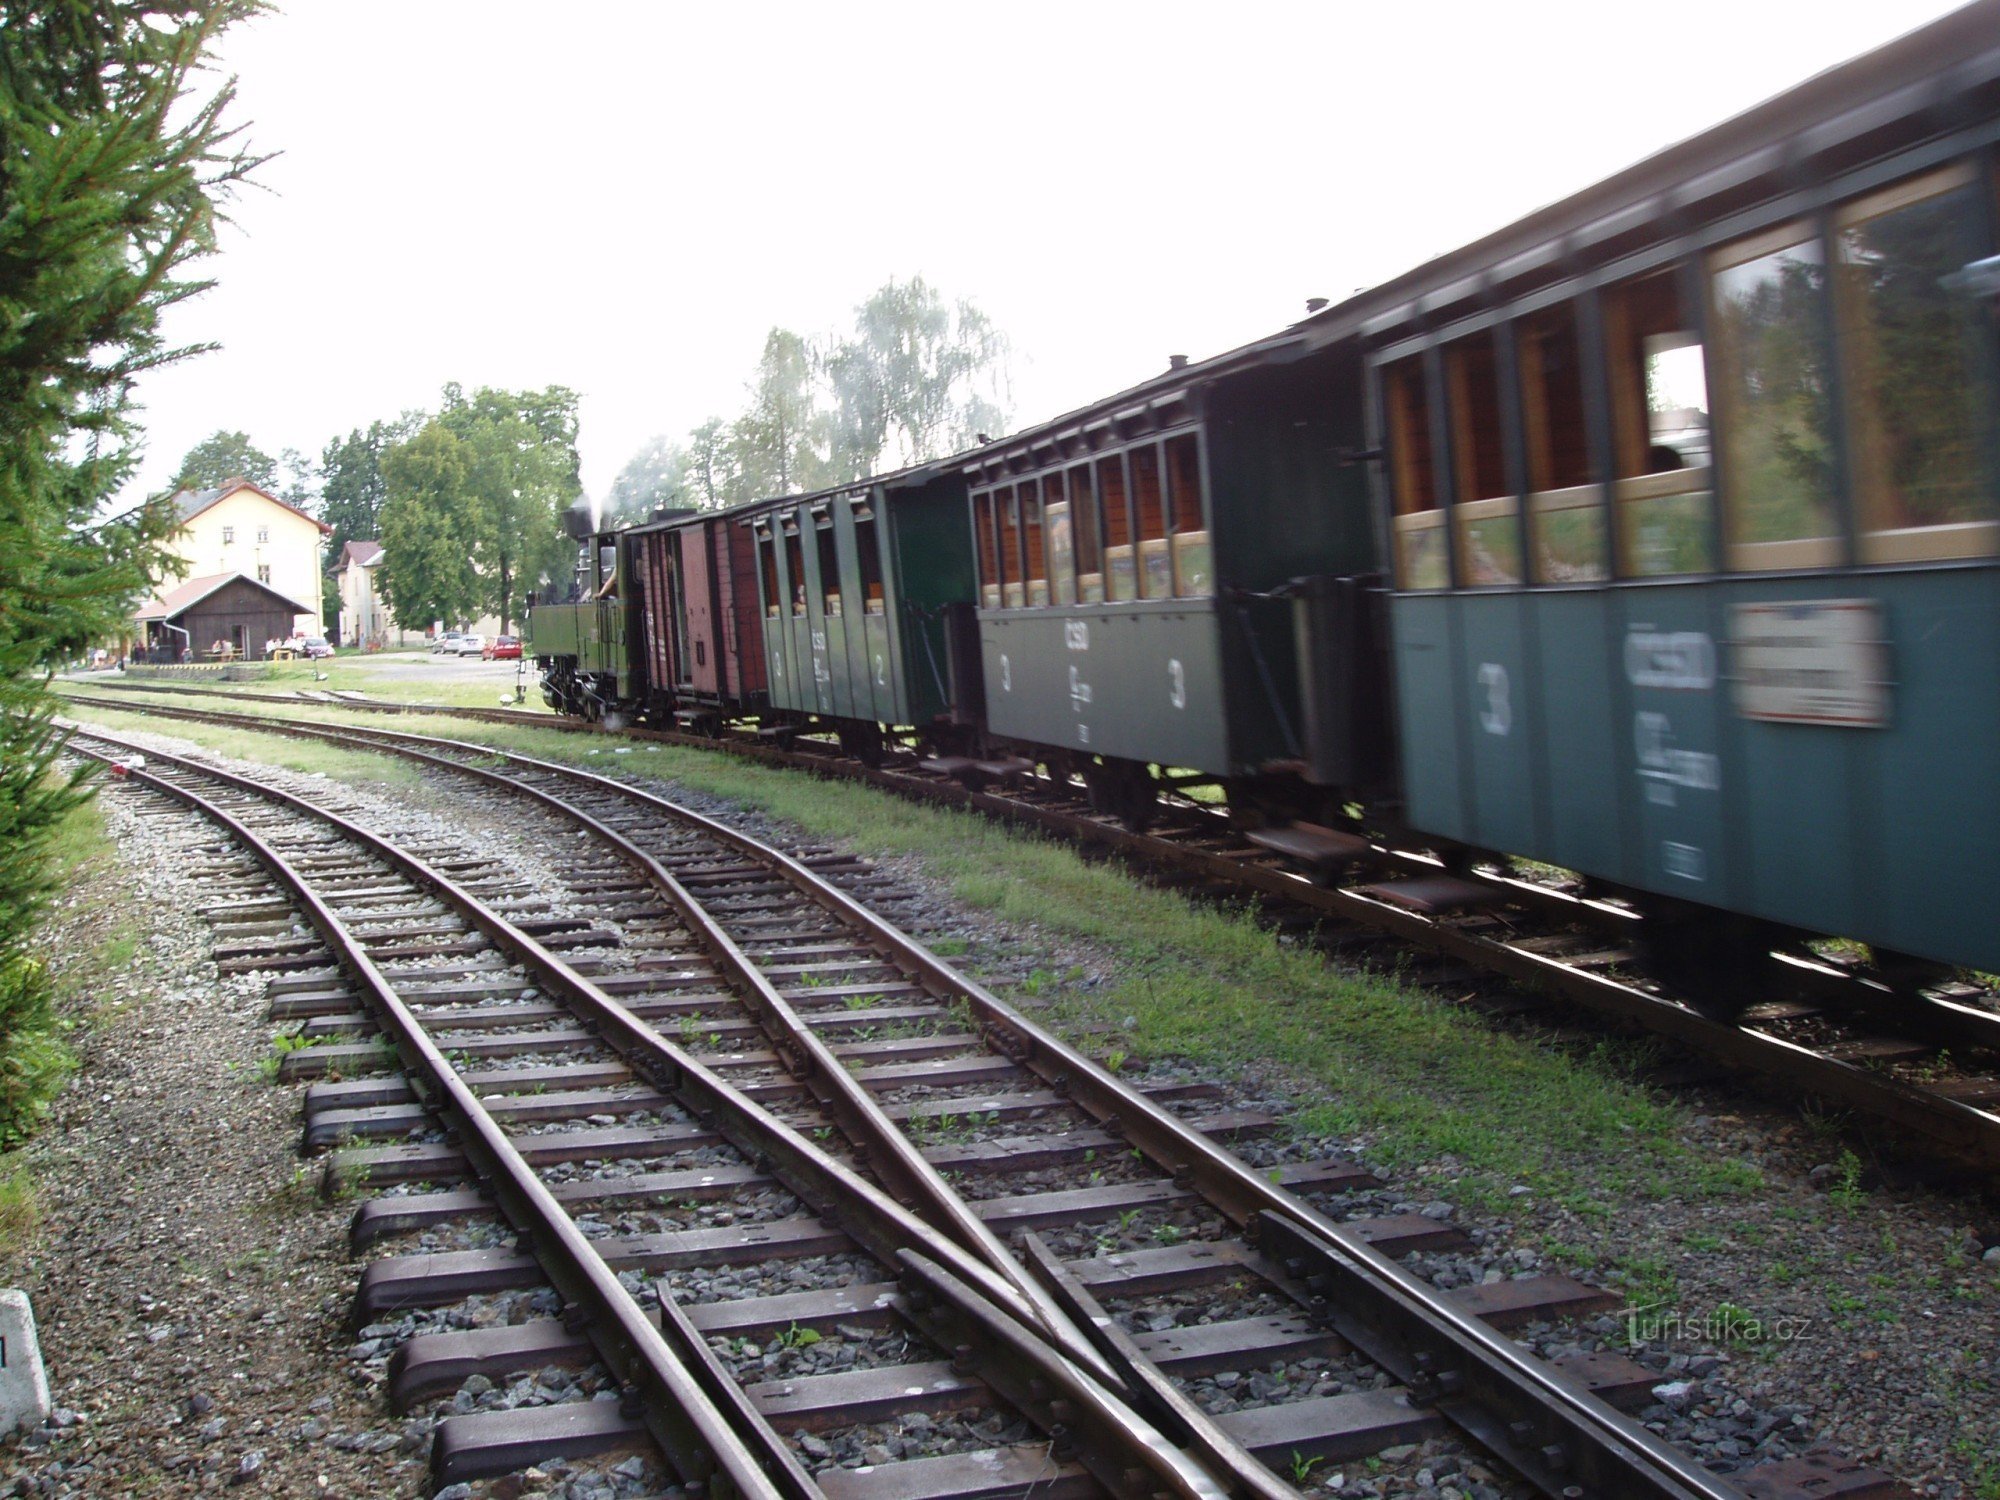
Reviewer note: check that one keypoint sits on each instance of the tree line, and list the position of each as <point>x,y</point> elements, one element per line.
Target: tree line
<point>916,379</point>
<point>467,502</point>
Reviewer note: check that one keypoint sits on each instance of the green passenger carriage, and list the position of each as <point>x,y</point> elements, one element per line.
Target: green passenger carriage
<point>1692,497</point>
<point>1142,568</point>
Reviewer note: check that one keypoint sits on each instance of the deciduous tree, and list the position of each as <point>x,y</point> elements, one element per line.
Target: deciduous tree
<point>226,455</point>
<point>427,517</point>
<point>523,471</point>
<point>351,484</point>
<point>654,477</point>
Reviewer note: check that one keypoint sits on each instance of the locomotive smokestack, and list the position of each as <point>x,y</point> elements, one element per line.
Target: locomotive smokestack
<point>576,522</point>
<point>1314,304</point>
<point>1176,361</point>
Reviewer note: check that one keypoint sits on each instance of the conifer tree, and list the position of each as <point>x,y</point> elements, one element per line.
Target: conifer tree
<point>110,171</point>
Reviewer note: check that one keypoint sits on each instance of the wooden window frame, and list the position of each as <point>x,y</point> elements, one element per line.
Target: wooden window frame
<point>1191,548</point>
<point>1790,554</point>
<point>1947,541</point>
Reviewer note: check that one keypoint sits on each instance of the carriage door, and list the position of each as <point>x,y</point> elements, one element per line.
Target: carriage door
<point>677,609</point>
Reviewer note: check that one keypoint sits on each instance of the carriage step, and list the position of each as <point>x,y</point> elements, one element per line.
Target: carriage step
<point>1434,895</point>
<point>1004,770</point>
<point>1310,844</point>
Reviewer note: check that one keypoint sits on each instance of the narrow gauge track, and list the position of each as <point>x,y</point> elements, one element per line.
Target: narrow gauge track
<point>368,899</point>
<point>1029,1107</point>
<point>1925,1063</point>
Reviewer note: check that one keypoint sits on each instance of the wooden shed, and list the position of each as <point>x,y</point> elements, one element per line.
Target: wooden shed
<point>223,609</point>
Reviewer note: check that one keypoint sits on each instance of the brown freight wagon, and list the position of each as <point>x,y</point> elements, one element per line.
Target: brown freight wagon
<point>703,643</point>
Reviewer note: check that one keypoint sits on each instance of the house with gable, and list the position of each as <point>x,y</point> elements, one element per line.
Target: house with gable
<point>240,530</point>
<point>367,622</point>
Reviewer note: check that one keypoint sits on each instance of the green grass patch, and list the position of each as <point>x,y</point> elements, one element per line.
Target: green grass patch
<point>275,748</point>
<point>412,676</point>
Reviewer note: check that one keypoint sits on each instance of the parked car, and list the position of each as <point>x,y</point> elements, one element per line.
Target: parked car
<point>468,645</point>
<point>448,642</point>
<point>318,646</point>
<point>503,648</point>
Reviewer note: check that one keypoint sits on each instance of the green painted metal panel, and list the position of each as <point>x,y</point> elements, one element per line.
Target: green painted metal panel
<point>1498,734</point>
<point>1671,709</point>
<point>1138,681</point>
<point>1428,706</point>
<point>1579,754</point>
<point>1652,775</point>
<point>553,629</point>
<point>1937,882</point>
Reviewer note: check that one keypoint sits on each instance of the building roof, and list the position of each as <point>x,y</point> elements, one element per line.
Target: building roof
<point>191,503</point>
<point>180,600</point>
<point>361,554</point>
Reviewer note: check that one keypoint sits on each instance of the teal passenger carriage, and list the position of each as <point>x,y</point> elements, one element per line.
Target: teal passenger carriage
<point>1691,496</point>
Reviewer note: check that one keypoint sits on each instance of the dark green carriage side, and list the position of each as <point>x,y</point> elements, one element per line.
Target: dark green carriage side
<point>853,587</point>
<point>930,573</point>
<point>1295,533</point>
<point>1199,669</point>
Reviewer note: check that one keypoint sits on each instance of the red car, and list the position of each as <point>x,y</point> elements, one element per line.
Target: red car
<point>502,648</point>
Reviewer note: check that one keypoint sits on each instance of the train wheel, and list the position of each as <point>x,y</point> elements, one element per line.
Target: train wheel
<point>1906,974</point>
<point>1123,790</point>
<point>863,742</point>
<point>1718,963</point>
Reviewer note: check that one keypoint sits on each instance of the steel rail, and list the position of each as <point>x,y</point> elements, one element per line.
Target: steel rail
<point>1003,1321</point>
<point>1959,1130</point>
<point>1081,1328</point>
<point>689,1427</point>
<point>1547,1426</point>
<point>910,1178</point>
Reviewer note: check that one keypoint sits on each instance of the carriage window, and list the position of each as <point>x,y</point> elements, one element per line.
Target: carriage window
<point>868,553</point>
<point>1031,543</point>
<point>1089,556</point>
<point>795,567</point>
<point>1419,522</point>
<point>1120,562</point>
<point>983,525</point>
<point>1194,562</point>
<point>1565,507</point>
<point>1149,507</point>
<point>1484,511</point>
<point>1659,428</point>
<point>829,566</point>
<point>767,565</point>
<point>1013,593</point>
<point>1919,393</point>
<point>1062,540</point>
<point>1770,367</point>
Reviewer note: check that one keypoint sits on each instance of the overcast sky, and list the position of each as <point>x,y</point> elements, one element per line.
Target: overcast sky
<point>623,197</point>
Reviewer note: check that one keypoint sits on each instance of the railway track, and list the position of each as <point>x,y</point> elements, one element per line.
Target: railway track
<point>841,1028</point>
<point>1925,1063</point>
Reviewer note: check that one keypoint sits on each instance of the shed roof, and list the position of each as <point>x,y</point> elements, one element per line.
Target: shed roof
<point>180,600</point>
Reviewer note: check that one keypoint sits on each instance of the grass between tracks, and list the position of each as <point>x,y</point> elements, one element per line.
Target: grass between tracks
<point>1424,1085</point>
<point>412,676</point>
<point>93,938</point>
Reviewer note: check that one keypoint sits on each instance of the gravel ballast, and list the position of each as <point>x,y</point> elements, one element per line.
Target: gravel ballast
<point>1873,1313</point>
